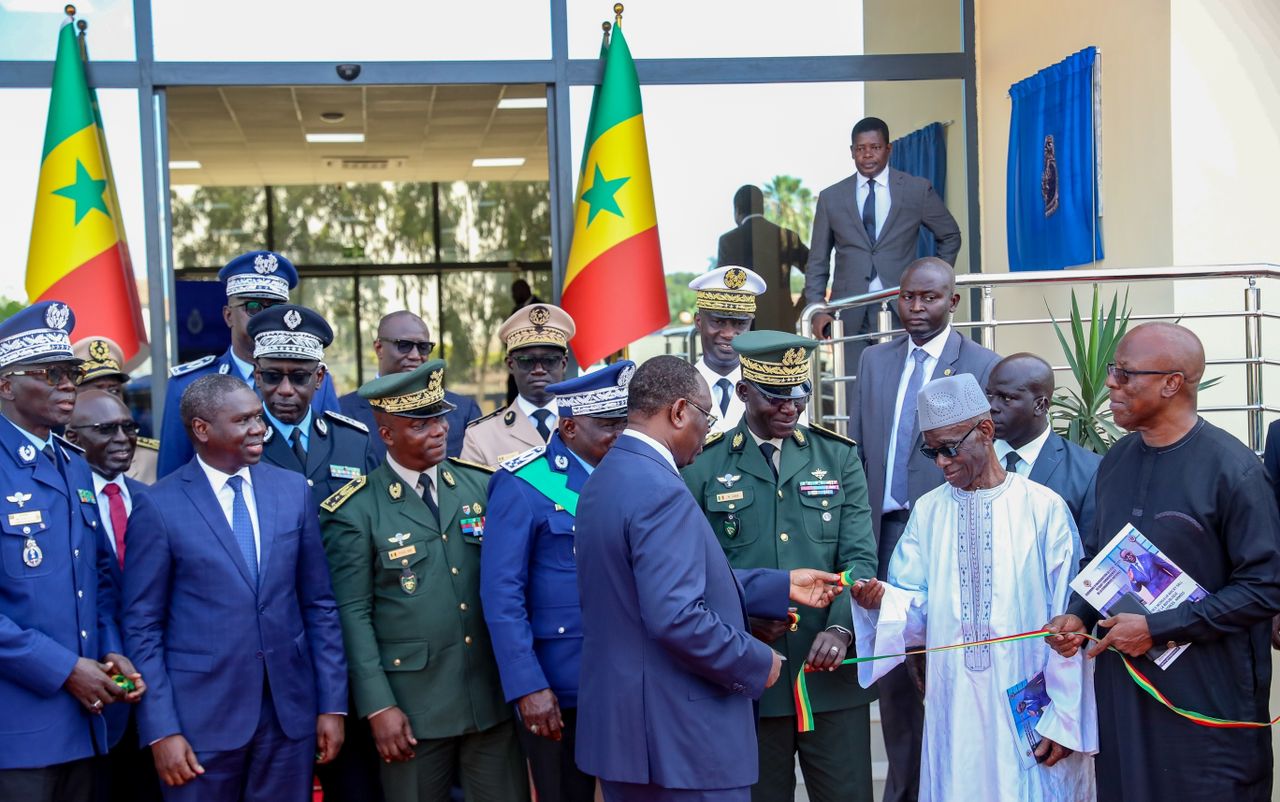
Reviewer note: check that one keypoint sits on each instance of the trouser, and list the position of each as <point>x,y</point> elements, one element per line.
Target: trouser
<point>835,757</point>
<point>353,776</point>
<point>128,772</point>
<point>901,703</point>
<point>64,782</point>
<point>489,763</point>
<point>633,792</point>
<point>556,775</point>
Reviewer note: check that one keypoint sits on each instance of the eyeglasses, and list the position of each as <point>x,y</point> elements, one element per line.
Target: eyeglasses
<point>531,363</point>
<point>711,419</point>
<point>130,428</point>
<point>951,451</point>
<point>252,308</point>
<point>424,347</point>
<point>298,378</point>
<point>53,376</point>
<point>1122,375</point>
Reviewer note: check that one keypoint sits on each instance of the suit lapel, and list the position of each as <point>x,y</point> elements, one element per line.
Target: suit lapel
<point>897,186</point>
<point>196,486</point>
<point>857,213</point>
<point>320,453</point>
<point>1048,460</point>
<point>751,459</point>
<point>945,367</point>
<point>523,429</point>
<point>447,497</point>
<point>794,458</point>
<point>889,387</point>
<point>406,502</point>
<point>270,521</point>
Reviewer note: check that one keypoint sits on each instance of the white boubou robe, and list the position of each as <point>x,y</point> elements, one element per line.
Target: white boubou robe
<point>972,566</point>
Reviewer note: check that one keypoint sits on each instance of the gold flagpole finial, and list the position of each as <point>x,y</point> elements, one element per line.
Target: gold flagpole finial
<point>82,25</point>
<point>70,10</point>
<point>606,26</point>
<point>617,12</point>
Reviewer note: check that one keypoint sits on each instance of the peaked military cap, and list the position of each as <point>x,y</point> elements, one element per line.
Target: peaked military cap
<point>288,331</point>
<point>259,274</point>
<point>102,359</point>
<point>418,393</point>
<point>728,291</point>
<point>776,362</point>
<point>537,324</point>
<point>599,394</point>
<point>40,333</point>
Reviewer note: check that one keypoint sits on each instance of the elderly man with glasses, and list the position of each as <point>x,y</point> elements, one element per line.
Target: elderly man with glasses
<point>253,282</point>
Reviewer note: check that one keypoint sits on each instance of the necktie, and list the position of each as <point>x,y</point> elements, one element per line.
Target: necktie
<point>869,211</point>
<point>725,387</point>
<point>242,526</point>
<point>1011,461</point>
<point>295,440</point>
<point>119,518</point>
<point>769,449</point>
<point>906,428</point>
<point>541,416</point>
<point>428,499</point>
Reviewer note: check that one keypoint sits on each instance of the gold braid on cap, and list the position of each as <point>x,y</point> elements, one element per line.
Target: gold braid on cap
<point>726,301</point>
<point>537,335</point>
<point>792,370</point>
<point>432,394</point>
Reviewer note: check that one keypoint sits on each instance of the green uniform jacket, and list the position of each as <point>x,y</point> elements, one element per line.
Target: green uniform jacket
<point>793,525</point>
<point>417,641</point>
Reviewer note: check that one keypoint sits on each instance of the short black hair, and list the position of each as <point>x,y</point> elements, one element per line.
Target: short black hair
<point>748,200</point>
<point>869,124</point>
<point>659,383</point>
<point>204,396</point>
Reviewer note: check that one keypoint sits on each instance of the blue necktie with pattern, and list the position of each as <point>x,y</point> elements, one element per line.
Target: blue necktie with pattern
<point>906,428</point>
<point>242,526</point>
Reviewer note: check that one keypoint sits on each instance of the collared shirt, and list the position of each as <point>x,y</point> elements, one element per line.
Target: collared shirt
<point>528,408</point>
<point>777,443</point>
<point>733,413</point>
<point>286,429</point>
<point>933,352</point>
<point>586,466</point>
<point>35,441</point>
<point>104,503</point>
<point>226,497</point>
<point>883,202</point>
<point>414,478</point>
<point>655,445</point>
<point>245,369</point>
<point>1027,455</point>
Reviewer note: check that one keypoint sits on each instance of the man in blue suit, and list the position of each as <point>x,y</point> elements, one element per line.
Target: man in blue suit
<point>1019,389</point>
<point>670,671</point>
<point>252,281</point>
<point>529,581</point>
<point>227,604</point>
<point>59,645</point>
<point>404,343</point>
<point>102,426</point>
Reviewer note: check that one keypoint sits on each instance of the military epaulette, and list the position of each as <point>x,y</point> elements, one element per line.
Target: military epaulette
<point>466,463</point>
<point>352,422</point>
<point>831,435</point>
<point>520,460</point>
<point>714,437</point>
<point>149,442</point>
<point>484,418</point>
<point>187,367</point>
<point>340,496</point>
<point>67,444</point>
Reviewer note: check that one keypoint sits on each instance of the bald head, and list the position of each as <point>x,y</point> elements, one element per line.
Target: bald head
<point>1020,389</point>
<point>1153,390</point>
<point>1027,369</point>
<point>1166,346</point>
<point>926,298</point>
<point>932,267</point>
<point>109,453</point>
<point>96,406</point>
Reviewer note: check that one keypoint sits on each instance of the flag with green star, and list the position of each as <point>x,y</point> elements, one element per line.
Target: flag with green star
<point>614,287</point>
<point>78,253</point>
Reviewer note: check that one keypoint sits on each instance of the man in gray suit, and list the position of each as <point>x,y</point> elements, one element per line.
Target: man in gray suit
<point>884,424</point>
<point>1019,389</point>
<point>872,219</point>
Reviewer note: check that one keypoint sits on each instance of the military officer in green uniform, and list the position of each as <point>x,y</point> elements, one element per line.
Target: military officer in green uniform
<point>782,495</point>
<point>404,552</point>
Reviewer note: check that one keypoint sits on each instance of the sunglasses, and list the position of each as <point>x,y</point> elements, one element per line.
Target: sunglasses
<point>1122,375</point>
<point>298,378</point>
<point>53,376</point>
<point>711,418</point>
<point>130,428</point>
<point>424,347</point>
<point>252,308</point>
<point>530,363</point>
<point>951,451</point>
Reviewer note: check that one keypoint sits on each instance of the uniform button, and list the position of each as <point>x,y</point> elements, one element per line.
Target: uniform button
<point>454,571</point>
<point>395,662</point>
<point>463,606</point>
<point>573,528</point>
<point>445,538</point>
<point>93,524</point>
<point>824,502</point>
<point>262,608</point>
<point>76,553</point>
<point>779,494</point>
<point>310,483</point>
<point>467,640</point>
<point>259,655</point>
<point>79,594</point>
<point>784,537</point>
<point>26,530</point>
<point>84,634</point>
<point>826,516</point>
<point>560,630</point>
<point>404,562</point>
<point>733,506</point>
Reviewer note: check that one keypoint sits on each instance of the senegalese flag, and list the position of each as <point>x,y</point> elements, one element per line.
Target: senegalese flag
<point>614,286</point>
<point>78,252</point>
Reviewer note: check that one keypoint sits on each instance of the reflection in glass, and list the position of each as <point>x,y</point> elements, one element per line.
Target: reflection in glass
<point>213,225</point>
<point>331,224</point>
<point>491,221</point>
<point>334,299</point>
<point>379,295</point>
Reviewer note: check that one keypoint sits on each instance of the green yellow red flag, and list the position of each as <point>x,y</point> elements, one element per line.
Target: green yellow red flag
<point>614,286</point>
<point>78,252</point>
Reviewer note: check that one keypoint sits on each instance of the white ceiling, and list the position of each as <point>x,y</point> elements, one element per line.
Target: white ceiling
<point>255,136</point>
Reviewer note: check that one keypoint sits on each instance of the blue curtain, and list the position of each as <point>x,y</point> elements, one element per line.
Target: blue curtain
<point>923,153</point>
<point>1052,178</point>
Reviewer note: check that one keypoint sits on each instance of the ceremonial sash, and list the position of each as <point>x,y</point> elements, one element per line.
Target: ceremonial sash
<point>552,484</point>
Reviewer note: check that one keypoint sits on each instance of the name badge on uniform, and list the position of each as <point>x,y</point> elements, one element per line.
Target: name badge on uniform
<point>24,518</point>
<point>344,472</point>
<point>736,495</point>
<point>404,552</point>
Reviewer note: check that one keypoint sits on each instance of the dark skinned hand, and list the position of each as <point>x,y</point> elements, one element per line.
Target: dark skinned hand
<point>393,735</point>
<point>175,760</point>
<point>868,593</point>
<point>330,732</point>
<point>122,665</point>
<point>917,669</point>
<point>91,684</point>
<point>775,670</point>
<point>822,326</point>
<point>1053,749</point>
<point>828,650</point>
<point>1070,635</point>
<point>768,630</point>
<point>540,712</point>
<point>1127,632</point>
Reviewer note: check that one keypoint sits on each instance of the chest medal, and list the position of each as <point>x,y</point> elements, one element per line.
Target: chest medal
<point>731,526</point>
<point>31,553</point>
<point>408,580</point>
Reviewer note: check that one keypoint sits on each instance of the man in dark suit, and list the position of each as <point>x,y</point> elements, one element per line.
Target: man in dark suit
<point>1019,389</point>
<point>670,670</point>
<point>872,219</point>
<point>769,250</point>
<point>884,422</point>
<point>102,426</point>
<point>404,343</point>
<point>1271,460</point>
<point>228,606</point>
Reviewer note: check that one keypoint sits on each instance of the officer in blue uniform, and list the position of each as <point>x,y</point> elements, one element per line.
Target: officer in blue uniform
<point>528,575</point>
<point>253,282</point>
<point>59,645</point>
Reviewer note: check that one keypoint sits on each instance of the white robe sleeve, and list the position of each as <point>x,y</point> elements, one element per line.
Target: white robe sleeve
<point>1071,719</point>
<point>900,621</point>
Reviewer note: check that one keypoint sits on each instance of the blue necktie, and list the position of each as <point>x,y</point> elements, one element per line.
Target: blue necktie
<point>725,386</point>
<point>242,526</point>
<point>906,428</point>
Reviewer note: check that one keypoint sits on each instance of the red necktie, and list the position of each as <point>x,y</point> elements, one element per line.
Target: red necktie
<point>119,518</point>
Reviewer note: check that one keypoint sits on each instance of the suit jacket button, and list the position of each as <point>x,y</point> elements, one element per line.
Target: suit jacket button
<point>262,608</point>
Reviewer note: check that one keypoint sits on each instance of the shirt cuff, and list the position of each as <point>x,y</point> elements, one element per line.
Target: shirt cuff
<point>376,712</point>
<point>842,631</point>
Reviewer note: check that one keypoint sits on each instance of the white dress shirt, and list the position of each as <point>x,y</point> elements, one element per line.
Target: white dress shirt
<point>226,498</point>
<point>655,445</point>
<point>104,504</point>
<point>933,352</point>
<point>528,408</point>
<point>736,408</point>
<point>883,202</point>
<point>414,478</point>
<point>1027,455</point>
<point>777,443</point>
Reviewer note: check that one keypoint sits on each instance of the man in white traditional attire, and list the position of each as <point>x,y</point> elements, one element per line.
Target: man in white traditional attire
<point>986,555</point>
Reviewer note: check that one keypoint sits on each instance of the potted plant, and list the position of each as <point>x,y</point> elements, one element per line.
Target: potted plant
<point>1082,416</point>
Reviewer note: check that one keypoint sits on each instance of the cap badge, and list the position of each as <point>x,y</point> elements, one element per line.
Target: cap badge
<point>735,278</point>
<point>27,452</point>
<point>539,316</point>
<point>99,351</point>
<point>292,319</point>
<point>793,356</point>
<point>265,263</point>
<point>57,315</point>
<point>729,479</point>
<point>624,377</point>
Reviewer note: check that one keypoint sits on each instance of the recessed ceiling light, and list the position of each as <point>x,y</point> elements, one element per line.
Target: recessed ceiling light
<point>332,138</point>
<point>522,103</point>
<point>513,161</point>
<point>332,116</point>
<point>184,165</point>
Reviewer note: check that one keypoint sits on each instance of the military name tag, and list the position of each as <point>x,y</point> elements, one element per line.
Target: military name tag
<point>24,518</point>
<point>86,496</point>
<point>344,472</point>
<point>736,495</point>
<point>31,553</point>
<point>404,552</point>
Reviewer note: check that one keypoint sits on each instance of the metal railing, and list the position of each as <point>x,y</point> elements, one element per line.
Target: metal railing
<point>987,324</point>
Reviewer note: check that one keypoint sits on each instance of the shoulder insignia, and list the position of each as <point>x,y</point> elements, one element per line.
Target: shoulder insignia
<point>799,437</point>
<point>484,418</point>
<point>352,422</point>
<point>149,442</point>
<point>822,430</point>
<point>332,503</point>
<point>187,367</point>
<point>738,440</point>
<point>466,463</point>
<point>224,368</point>
<point>67,444</point>
<point>520,460</point>
<point>714,437</point>
<point>509,418</point>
